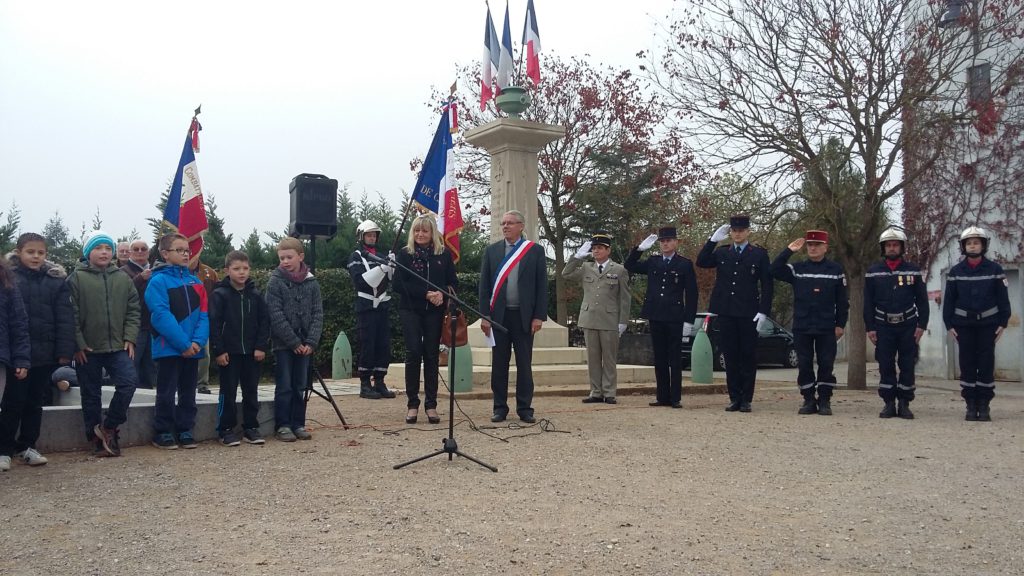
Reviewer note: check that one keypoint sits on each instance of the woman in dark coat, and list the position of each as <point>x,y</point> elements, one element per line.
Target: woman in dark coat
<point>422,310</point>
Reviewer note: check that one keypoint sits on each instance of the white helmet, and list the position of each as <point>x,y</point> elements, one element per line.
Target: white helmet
<point>366,226</point>
<point>974,232</point>
<point>892,234</point>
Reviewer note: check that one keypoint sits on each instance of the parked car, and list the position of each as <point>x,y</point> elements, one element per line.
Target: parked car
<point>774,344</point>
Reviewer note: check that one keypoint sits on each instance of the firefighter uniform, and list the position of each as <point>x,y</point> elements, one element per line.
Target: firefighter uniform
<point>895,306</point>
<point>820,305</point>
<point>740,299</point>
<point>976,305</point>
<point>371,280</point>
<point>669,304</point>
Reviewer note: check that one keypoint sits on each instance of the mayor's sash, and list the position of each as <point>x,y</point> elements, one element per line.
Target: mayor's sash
<point>511,260</point>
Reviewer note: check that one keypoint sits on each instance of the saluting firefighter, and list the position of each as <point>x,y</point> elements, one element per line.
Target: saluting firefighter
<point>371,280</point>
<point>820,310</point>
<point>670,306</point>
<point>741,301</point>
<point>976,309</point>
<point>895,317</point>
<point>603,312</point>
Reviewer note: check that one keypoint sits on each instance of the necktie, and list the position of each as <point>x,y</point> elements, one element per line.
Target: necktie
<point>600,268</point>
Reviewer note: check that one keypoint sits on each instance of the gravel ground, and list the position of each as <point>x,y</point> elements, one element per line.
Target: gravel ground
<point>627,489</point>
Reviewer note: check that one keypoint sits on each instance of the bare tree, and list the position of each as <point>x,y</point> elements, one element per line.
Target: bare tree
<point>760,85</point>
<point>616,144</point>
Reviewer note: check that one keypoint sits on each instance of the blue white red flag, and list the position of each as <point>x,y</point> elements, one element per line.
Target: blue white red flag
<point>489,61</point>
<point>505,64</point>
<point>185,212</point>
<point>435,189</point>
<point>531,44</point>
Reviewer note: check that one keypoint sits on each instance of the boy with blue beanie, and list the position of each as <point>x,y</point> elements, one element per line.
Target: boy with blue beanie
<point>106,307</point>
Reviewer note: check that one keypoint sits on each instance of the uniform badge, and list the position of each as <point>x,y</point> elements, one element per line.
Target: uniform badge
<point>899,280</point>
<point>612,276</point>
<point>910,280</point>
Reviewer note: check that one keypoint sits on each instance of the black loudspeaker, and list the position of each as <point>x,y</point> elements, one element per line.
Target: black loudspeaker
<point>314,206</point>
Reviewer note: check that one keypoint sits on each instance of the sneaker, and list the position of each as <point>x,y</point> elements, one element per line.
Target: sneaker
<point>98,450</point>
<point>32,457</point>
<point>229,438</point>
<point>165,442</point>
<point>187,441</point>
<point>203,389</point>
<point>108,436</point>
<point>302,434</point>
<point>5,463</point>
<point>285,434</point>
<point>253,436</point>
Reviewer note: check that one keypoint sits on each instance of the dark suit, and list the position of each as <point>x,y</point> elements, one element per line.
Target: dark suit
<point>671,300</point>
<point>743,288</point>
<point>533,305</point>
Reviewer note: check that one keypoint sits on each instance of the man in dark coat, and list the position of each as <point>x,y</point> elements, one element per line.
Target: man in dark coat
<point>514,290</point>
<point>820,310</point>
<point>741,301</point>
<point>670,307</point>
<point>895,317</point>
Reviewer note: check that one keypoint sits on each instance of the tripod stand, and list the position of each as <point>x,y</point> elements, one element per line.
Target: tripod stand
<point>448,445</point>
<point>313,370</point>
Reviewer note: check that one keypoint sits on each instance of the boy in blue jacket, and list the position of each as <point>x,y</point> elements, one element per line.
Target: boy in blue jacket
<point>177,304</point>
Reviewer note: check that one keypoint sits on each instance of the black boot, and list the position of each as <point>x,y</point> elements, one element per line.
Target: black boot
<point>904,410</point>
<point>381,388</point>
<point>825,406</point>
<point>366,389</point>
<point>984,415</point>
<point>810,405</point>
<point>889,410</point>
<point>972,410</point>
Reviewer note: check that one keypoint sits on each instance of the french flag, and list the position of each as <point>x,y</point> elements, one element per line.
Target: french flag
<point>505,63</point>
<point>489,62</point>
<point>531,42</point>
<point>436,189</point>
<point>185,212</point>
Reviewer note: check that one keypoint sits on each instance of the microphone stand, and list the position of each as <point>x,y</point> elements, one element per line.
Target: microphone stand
<point>448,445</point>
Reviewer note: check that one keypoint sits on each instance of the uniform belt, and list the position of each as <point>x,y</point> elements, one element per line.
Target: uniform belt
<point>896,318</point>
<point>972,315</point>
<point>375,299</point>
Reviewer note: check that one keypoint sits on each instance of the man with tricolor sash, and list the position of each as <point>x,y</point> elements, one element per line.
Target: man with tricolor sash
<point>514,291</point>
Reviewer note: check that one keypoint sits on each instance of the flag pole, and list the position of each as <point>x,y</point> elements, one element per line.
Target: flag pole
<point>408,207</point>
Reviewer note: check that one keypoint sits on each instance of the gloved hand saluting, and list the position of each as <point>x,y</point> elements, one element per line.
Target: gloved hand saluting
<point>584,250</point>
<point>760,319</point>
<point>721,234</point>
<point>648,242</point>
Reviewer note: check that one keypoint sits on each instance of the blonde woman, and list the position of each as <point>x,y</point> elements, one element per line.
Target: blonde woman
<point>421,310</point>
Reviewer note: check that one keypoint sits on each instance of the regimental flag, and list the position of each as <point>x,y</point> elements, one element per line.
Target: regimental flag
<point>185,212</point>
<point>435,188</point>
<point>489,62</point>
<point>505,63</point>
<point>531,43</point>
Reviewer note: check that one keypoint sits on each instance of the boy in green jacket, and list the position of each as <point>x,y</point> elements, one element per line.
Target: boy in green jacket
<point>106,307</point>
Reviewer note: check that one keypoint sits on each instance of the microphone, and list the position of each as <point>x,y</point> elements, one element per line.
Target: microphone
<point>374,258</point>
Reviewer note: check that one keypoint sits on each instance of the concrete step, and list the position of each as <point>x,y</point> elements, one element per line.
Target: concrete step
<point>541,356</point>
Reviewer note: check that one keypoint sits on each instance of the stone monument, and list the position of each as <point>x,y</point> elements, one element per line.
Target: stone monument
<point>513,144</point>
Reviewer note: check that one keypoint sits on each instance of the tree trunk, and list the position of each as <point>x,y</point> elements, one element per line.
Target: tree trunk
<point>856,344</point>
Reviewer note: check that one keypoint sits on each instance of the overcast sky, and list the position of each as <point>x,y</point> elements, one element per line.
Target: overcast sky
<point>96,97</point>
